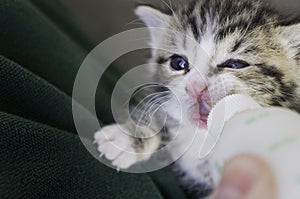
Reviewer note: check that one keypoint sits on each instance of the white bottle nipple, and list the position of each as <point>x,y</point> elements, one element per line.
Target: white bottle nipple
<point>220,114</point>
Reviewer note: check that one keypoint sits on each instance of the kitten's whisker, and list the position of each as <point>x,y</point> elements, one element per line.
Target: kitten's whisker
<point>260,88</point>
<point>142,105</point>
<point>128,101</point>
<point>168,5</point>
<point>147,117</point>
<point>141,39</point>
<point>142,101</point>
<point>153,95</point>
<point>263,89</point>
<point>160,105</point>
<point>134,22</point>
<point>142,119</point>
<point>161,100</point>
<point>148,106</point>
<point>172,10</point>
<point>258,83</point>
<point>138,88</point>
<point>151,103</point>
<point>284,96</point>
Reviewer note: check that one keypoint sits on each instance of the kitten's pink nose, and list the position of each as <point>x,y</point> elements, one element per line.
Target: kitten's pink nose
<point>196,88</point>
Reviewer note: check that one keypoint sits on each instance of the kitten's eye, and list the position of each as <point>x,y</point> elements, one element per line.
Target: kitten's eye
<point>234,64</point>
<point>179,63</point>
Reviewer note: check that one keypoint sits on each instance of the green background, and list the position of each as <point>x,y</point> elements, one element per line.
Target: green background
<point>41,155</point>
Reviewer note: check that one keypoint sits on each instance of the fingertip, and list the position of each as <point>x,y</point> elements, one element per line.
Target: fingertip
<point>241,176</point>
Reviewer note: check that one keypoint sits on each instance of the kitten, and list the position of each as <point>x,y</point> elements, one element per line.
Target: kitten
<point>214,48</point>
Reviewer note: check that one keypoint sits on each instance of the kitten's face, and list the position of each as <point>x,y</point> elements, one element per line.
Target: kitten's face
<point>210,49</point>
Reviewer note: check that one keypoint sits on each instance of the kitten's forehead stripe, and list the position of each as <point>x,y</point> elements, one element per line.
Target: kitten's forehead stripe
<point>231,28</point>
<point>209,32</point>
<point>191,7</point>
<point>251,49</point>
<point>238,43</point>
<point>194,27</point>
<point>243,16</point>
<point>246,25</point>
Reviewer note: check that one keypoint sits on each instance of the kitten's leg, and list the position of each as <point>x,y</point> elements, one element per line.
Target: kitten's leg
<point>191,171</point>
<point>119,145</point>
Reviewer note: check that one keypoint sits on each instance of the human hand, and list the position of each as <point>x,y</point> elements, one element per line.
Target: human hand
<point>246,177</point>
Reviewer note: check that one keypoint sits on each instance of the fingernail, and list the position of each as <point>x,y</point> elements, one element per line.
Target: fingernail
<point>239,175</point>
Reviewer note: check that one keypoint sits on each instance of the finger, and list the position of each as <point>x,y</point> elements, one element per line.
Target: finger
<point>246,177</point>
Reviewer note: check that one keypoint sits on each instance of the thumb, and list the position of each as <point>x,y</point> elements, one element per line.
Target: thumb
<point>246,177</point>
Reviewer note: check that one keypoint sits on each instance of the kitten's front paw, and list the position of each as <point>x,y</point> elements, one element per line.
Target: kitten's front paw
<point>117,146</point>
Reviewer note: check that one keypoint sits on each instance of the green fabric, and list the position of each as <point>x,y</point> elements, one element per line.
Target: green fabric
<point>23,93</point>
<point>56,12</point>
<point>41,154</point>
<point>34,41</point>
<point>38,161</point>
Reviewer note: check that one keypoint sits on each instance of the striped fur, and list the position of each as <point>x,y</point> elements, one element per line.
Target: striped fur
<point>211,32</point>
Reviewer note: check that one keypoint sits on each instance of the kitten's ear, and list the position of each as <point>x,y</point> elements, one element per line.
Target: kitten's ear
<point>292,35</point>
<point>152,17</point>
<point>155,20</point>
<point>292,32</point>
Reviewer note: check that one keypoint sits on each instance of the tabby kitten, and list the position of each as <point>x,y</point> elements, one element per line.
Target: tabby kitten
<point>206,50</point>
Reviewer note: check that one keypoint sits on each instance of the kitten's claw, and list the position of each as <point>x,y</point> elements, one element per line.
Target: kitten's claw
<point>116,146</point>
<point>101,155</point>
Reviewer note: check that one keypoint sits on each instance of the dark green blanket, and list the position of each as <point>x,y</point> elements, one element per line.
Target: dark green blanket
<point>41,154</point>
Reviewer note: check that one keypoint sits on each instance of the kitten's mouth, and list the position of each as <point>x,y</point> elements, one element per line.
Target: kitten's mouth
<point>200,111</point>
<point>204,110</point>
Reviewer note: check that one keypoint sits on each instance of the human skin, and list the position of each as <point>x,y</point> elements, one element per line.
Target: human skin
<point>246,177</point>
